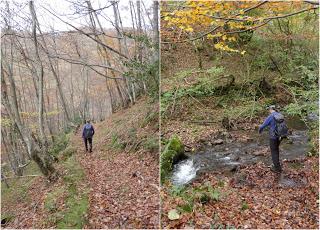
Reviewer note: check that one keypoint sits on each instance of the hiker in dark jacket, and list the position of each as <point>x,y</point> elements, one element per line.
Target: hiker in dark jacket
<point>87,135</point>
<point>274,138</point>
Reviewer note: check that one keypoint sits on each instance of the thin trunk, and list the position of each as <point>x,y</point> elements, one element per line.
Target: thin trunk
<point>133,26</point>
<point>40,81</point>
<point>104,50</point>
<point>57,79</point>
<point>45,163</point>
<point>116,20</point>
<point>155,27</point>
<point>139,30</point>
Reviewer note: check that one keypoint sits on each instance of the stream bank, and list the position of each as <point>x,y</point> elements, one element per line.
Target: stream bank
<point>226,152</point>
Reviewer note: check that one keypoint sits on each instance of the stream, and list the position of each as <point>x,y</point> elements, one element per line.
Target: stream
<point>230,153</point>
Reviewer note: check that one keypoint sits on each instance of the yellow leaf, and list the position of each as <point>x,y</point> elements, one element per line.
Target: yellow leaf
<point>189,29</point>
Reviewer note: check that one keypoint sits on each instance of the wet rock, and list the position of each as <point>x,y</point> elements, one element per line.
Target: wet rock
<point>173,153</point>
<point>218,142</point>
<point>223,134</point>
<point>312,117</point>
<point>289,141</point>
<point>229,141</point>
<point>227,123</point>
<point>203,140</point>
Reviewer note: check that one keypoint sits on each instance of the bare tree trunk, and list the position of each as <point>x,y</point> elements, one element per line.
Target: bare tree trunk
<point>56,77</point>
<point>103,49</point>
<point>45,163</point>
<point>133,19</point>
<point>155,26</point>
<point>24,132</point>
<point>139,30</point>
<point>40,81</point>
<point>116,20</point>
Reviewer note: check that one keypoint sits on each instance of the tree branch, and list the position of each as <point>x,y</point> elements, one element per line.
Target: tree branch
<point>267,20</point>
<point>77,62</point>
<point>312,2</point>
<point>256,20</point>
<point>217,27</point>
<point>86,34</point>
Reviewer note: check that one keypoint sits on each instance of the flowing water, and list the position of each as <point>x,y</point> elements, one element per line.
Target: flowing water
<point>232,153</point>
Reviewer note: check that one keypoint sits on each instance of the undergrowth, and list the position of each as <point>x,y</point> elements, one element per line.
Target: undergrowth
<point>203,194</point>
<point>74,195</point>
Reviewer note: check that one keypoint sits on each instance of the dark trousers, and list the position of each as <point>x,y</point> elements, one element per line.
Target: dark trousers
<point>86,140</point>
<point>274,147</point>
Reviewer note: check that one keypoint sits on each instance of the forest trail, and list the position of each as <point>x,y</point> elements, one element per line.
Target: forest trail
<point>124,190</point>
<point>115,186</point>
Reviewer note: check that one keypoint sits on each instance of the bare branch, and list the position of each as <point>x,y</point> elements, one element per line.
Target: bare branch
<point>268,18</point>
<point>77,62</point>
<point>86,34</point>
<point>312,2</point>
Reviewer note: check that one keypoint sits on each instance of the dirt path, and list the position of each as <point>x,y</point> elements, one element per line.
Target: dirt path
<point>123,187</point>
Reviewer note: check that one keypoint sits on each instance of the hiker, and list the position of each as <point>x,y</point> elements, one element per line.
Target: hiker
<point>277,131</point>
<point>87,134</point>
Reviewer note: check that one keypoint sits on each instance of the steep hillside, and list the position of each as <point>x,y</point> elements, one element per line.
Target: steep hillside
<point>115,186</point>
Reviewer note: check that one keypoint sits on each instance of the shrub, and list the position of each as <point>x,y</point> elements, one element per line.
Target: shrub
<point>68,152</point>
<point>152,144</point>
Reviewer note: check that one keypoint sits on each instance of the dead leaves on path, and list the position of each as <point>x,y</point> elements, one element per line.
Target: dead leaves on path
<point>122,191</point>
<point>253,198</point>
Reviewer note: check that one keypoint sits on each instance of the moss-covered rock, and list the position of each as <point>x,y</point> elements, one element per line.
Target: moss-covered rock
<point>173,151</point>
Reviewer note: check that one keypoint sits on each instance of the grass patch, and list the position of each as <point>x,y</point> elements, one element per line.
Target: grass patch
<point>151,144</point>
<point>51,201</point>
<point>244,206</point>
<point>17,191</point>
<point>18,187</point>
<point>76,199</point>
<point>151,117</point>
<point>60,143</point>
<point>116,142</point>
<point>190,196</point>
<point>68,152</point>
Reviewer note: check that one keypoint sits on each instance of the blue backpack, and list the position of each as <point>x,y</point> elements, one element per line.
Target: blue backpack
<point>88,131</point>
<point>281,127</point>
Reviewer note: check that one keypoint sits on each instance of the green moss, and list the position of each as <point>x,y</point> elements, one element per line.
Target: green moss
<point>173,149</point>
<point>74,216</point>
<point>18,187</point>
<point>51,200</point>
<point>74,171</point>
<point>76,198</point>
